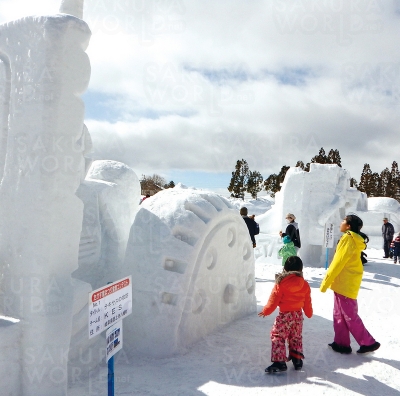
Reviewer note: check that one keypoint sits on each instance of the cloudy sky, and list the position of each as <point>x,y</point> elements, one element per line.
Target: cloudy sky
<point>185,88</point>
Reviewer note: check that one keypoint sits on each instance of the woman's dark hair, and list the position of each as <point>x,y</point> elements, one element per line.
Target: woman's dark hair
<point>293,263</point>
<point>356,224</point>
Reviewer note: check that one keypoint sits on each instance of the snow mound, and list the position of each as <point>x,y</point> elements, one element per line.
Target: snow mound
<point>255,206</point>
<point>383,204</point>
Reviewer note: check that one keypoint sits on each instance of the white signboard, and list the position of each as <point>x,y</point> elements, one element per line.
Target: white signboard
<point>114,340</point>
<point>109,305</point>
<point>328,235</point>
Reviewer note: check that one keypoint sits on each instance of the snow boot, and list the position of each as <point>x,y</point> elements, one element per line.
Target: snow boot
<point>369,348</point>
<point>297,363</point>
<point>276,367</point>
<point>340,349</point>
<point>296,358</point>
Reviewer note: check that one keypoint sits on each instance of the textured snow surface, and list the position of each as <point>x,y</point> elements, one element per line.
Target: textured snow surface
<point>232,361</point>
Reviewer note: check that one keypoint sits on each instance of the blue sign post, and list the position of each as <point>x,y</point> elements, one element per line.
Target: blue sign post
<point>111,376</point>
<point>107,307</point>
<point>326,258</point>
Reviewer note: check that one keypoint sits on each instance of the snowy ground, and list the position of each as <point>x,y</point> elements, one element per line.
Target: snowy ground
<point>232,361</point>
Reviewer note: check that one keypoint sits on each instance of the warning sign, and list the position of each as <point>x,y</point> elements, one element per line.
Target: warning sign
<point>109,305</point>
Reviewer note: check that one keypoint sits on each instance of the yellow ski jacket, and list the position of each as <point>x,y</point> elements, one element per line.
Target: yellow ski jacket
<point>344,275</point>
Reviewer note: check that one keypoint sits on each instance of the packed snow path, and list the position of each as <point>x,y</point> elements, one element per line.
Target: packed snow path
<point>232,361</point>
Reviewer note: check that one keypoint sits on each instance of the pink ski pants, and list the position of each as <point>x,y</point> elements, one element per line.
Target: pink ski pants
<point>346,321</point>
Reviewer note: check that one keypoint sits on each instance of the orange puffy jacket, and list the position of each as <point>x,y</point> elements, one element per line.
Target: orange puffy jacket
<point>291,293</point>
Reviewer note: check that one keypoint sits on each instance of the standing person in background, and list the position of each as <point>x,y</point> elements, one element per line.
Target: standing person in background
<point>344,277</point>
<point>252,226</point>
<point>292,230</point>
<point>387,234</point>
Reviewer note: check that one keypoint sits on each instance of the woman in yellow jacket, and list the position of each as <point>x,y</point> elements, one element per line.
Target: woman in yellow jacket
<point>344,278</point>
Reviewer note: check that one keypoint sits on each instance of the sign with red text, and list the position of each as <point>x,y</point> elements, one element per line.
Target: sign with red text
<point>109,305</point>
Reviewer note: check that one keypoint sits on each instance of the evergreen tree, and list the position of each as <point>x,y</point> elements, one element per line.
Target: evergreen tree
<point>321,158</point>
<point>171,184</point>
<point>307,167</point>
<point>395,176</point>
<point>334,157</point>
<point>365,180</point>
<point>300,164</point>
<point>386,183</point>
<point>353,183</point>
<point>254,183</point>
<point>273,183</point>
<point>375,185</point>
<point>238,184</point>
<point>282,174</point>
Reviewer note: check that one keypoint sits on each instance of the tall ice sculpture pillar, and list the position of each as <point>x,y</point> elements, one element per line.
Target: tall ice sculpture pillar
<point>43,71</point>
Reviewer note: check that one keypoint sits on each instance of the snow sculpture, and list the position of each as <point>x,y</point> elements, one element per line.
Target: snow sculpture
<point>10,334</point>
<point>72,7</point>
<point>43,70</point>
<point>111,194</point>
<point>192,266</point>
<point>378,208</point>
<point>322,195</point>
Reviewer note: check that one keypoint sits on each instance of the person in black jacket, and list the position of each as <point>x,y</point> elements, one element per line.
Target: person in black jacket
<point>387,234</point>
<point>251,225</point>
<point>292,230</point>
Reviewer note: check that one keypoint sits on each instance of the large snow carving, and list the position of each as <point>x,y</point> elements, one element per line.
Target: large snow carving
<point>322,195</point>
<point>192,266</point>
<point>43,70</point>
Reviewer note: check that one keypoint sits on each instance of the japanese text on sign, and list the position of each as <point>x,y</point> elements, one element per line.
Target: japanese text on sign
<point>109,305</point>
<point>328,235</point>
<point>114,340</point>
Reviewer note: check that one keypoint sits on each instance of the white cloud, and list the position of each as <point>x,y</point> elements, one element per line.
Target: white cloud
<point>197,85</point>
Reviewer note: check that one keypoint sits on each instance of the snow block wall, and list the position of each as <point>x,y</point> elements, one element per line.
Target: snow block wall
<point>43,70</point>
<point>192,266</point>
<point>322,195</point>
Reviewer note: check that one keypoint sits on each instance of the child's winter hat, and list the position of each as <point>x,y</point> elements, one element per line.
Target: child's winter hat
<point>286,239</point>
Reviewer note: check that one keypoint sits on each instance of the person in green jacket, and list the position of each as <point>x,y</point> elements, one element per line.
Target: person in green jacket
<point>344,278</point>
<point>287,250</point>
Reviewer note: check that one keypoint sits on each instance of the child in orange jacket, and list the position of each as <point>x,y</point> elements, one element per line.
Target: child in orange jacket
<point>292,294</point>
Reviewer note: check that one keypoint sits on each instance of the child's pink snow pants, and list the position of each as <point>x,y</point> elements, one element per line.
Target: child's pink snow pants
<point>346,321</point>
<point>287,326</point>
